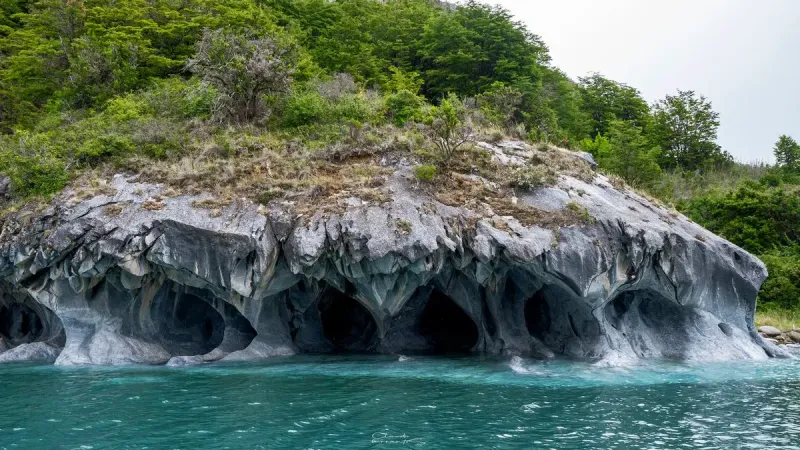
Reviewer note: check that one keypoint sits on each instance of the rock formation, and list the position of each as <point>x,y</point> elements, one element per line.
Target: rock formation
<point>134,278</point>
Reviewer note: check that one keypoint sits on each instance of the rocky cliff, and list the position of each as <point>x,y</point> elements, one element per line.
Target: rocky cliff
<point>134,276</point>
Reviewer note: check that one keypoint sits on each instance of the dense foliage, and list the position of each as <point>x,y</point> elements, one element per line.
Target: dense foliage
<point>762,215</point>
<point>90,82</point>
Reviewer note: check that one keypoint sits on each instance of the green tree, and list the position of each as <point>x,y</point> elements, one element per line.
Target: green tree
<point>502,104</point>
<point>606,100</point>
<point>631,155</point>
<point>449,130</point>
<point>468,50</point>
<point>787,153</point>
<point>80,53</point>
<point>243,70</point>
<point>685,126</point>
<point>759,218</point>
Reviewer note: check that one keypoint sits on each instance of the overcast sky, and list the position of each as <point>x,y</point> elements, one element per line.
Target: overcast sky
<point>744,55</point>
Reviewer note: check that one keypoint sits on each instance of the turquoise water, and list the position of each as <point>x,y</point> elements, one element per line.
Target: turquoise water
<point>379,402</point>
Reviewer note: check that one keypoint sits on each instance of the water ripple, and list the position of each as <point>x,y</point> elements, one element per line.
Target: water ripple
<point>378,402</point>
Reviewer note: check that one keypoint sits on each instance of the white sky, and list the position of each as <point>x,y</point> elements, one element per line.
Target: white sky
<point>743,55</point>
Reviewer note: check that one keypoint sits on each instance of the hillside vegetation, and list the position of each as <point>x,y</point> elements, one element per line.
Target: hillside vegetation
<point>294,99</point>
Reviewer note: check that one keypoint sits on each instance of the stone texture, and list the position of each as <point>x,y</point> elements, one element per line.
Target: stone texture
<point>177,285</point>
<point>769,331</point>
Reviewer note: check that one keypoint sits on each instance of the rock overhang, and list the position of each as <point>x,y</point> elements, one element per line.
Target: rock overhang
<point>271,270</point>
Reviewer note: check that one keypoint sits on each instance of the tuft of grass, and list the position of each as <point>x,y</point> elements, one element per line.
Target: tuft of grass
<point>780,318</point>
<point>114,210</point>
<point>425,172</point>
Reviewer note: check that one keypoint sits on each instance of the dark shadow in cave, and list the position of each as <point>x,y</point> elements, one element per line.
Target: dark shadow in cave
<point>537,315</point>
<point>562,321</point>
<point>640,314</point>
<point>20,324</point>
<point>185,323</point>
<point>346,323</point>
<point>446,327</point>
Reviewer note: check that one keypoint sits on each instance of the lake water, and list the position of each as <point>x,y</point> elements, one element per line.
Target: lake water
<point>382,403</point>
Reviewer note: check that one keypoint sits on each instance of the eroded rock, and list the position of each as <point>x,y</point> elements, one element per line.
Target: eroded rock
<point>174,284</point>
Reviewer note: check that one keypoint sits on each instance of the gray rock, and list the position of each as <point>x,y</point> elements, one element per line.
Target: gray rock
<point>181,287</point>
<point>794,336</point>
<point>769,331</point>
<point>588,158</point>
<point>33,352</point>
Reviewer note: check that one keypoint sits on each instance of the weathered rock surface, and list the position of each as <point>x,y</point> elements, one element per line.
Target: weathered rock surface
<point>769,331</point>
<point>112,282</point>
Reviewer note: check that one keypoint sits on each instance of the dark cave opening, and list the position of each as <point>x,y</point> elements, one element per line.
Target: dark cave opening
<point>537,315</point>
<point>20,324</point>
<point>644,308</point>
<point>446,327</point>
<point>186,324</point>
<point>562,321</point>
<point>346,323</point>
<point>646,316</point>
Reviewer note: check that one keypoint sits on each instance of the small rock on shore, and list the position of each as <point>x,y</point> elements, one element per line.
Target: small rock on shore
<point>780,337</point>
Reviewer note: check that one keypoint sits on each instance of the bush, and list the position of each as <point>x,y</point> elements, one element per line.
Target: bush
<point>448,129</point>
<point>529,178</point>
<point>243,69</point>
<point>32,171</point>
<point>425,172</point>
<point>756,218</point>
<point>502,104</point>
<point>304,107</point>
<point>782,288</point>
<point>404,106</point>
<point>178,98</point>
<point>314,104</point>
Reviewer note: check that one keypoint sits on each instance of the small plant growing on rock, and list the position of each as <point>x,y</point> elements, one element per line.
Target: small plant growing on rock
<point>113,210</point>
<point>425,172</point>
<point>448,129</point>
<point>154,204</point>
<point>529,178</point>
<point>581,213</point>
<point>403,227</point>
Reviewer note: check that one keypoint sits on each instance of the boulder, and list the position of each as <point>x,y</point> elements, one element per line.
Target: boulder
<point>769,331</point>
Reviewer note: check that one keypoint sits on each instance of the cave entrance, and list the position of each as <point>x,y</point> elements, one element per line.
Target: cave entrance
<point>654,325</point>
<point>186,324</point>
<point>346,323</point>
<point>563,322</point>
<point>446,327</point>
<point>19,324</point>
<point>537,315</point>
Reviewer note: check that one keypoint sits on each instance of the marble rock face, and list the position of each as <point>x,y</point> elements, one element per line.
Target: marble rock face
<point>176,286</point>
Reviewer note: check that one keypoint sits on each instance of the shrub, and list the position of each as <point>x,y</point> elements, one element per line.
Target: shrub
<point>529,178</point>
<point>337,87</point>
<point>425,172</point>
<point>243,70</point>
<point>782,288</point>
<point>759,220</point>
<point>307,106</point>
<point>304,107</point>
<point>179,98</point>
<point>501,104</point>
<point>404,106</point>
<point>447,128</point>
<point>33,171</point>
